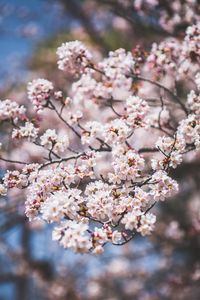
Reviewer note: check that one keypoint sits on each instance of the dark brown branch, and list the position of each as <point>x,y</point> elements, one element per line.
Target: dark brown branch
<point>174,97</point>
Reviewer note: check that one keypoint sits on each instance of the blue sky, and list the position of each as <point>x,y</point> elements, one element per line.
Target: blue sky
<point>23,23</point>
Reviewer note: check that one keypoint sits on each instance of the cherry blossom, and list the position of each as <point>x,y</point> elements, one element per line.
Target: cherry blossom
<point>39,91</point>
<point>73,57</point>
<point>11,110</point>
<point>28,131</point>
<point>116,135</point>
<point>57,142</point>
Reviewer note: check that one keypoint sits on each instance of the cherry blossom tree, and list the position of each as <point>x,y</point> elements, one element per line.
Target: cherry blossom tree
<point>116,135</point>
<point>163,18</point>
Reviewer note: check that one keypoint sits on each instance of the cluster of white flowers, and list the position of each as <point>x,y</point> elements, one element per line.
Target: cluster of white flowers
<point>73,57</point>
<point>90,158</point>
<point>116,69</point>
<point>39,91</point>
<point>11,110</point>
<point>162,186</point>
<point>127,165</point>
<point>126,133</point>
<point>136,109</point>
<point>136,220</point>
<point>189,129</point>
<point>119,62</point>
<point>174,57</point>
<point>115,82</point>
<point>100,202</point>
<point>163,56</point>
<point>74,118</point>
<point>42,184</point>
<point>53,141</point>
<point>117,131</point>
<point>168,144</point>
<point>131,219</point>
<point>147,223</point>
<point>84,88</point>
<point>60,204</point>
<point>172,150</point>
<point>92,130</point>
<point>28,131</point>
<point>192,41</point>
<point>15,179</point>
<point>74,236</point>
<point>141,198</point>
<point>193,102</point>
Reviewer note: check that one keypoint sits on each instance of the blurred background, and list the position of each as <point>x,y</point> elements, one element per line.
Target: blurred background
<point>32,266</point>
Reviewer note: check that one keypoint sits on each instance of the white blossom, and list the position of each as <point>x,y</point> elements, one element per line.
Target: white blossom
<point>51,140</point>
<point>147,224</point>
<point>11,110</point>
<point>39,91</point>
<point>28,131</point>
<point>61,204</point>
<point>73,57</point>
<point>73,235</point>
<point>162,186</point>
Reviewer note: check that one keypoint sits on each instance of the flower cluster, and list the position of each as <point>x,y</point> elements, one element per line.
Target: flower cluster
<point>51,140</point>
<point>127,165</point>
<point>119,62</point>
<point>60,204</point>
<point>11,110</point>
<point>116,131</point>
<point>171,150</point>
<point>39,91</point>
<point>163,186</point>
<point>136,109</point>
<point>115,81</point>
<point>73,235</point>
<point>192,41</point>
<point>163,56</point>
<point>117,136</point>
<point>193,102</point>
<point>189,129</point>
<point>73,57</point>
<point>28,131</point>
<point>173,56</point>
